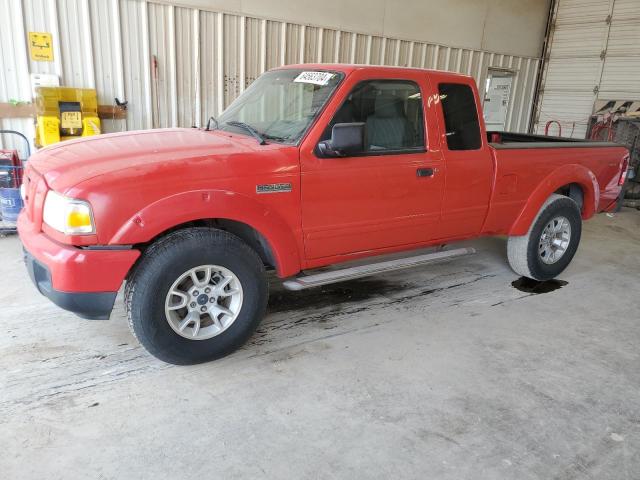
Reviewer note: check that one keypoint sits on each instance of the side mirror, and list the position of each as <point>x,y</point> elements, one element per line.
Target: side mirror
<point>346,138</point>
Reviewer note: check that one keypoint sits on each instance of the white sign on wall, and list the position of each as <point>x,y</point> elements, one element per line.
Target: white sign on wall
<point>496,100</point>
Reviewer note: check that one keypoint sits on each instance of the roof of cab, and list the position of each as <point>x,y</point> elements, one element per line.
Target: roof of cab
<point>350,67</point>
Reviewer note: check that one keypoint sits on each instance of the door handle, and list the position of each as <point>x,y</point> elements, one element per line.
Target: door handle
<point>425,172</point>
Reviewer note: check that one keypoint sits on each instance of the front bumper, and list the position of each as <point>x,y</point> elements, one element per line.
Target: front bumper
<point>84,281</point>
<point>89,305</point>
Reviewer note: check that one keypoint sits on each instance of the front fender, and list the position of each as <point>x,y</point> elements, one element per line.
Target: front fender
<point>559,178</point>
<point>174,210</point>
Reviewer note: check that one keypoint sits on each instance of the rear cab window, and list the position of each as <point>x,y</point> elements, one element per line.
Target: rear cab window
<point>460,116</point>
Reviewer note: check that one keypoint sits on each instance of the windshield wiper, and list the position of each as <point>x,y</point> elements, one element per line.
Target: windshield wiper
<point>277,138</point>
<point>209,123</point>
<point>254,133</point>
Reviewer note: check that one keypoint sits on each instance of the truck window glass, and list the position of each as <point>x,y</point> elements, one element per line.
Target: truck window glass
<point>281,105</point>
<point>460,116</point>
<point>391,111</point>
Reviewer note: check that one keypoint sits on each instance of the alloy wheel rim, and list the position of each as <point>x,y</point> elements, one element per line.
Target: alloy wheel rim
<point>555,239</point>
<point>203,302</point>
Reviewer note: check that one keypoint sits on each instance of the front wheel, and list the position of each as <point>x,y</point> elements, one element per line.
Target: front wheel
<point>551,242</point>
<point>196,295</point>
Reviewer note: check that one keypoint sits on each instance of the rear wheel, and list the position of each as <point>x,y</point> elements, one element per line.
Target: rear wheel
<point>551,242</point>
<point>196,295</point>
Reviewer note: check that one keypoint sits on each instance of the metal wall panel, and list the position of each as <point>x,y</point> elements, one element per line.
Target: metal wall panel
<point>187,67</point>
<point>134,25</point>
<point>327,46</point>
<point>74,27</point>
<point>254,50</point>
<point>594,55</point>
<point>626,9</point>
<point>621,70</point>
<point>15,69</point>
<point>162,50</point>
<point>107,56</point>
<point>176,66</point>
<point>579,40</point>
<point>620,79</point>
<point>211,72</point>
<point>624,38</point>
<point>572,12</point>
<point>232,57</point>
<point>42,16</point>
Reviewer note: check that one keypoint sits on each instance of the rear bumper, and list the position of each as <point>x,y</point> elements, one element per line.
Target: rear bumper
<point>80,280</point>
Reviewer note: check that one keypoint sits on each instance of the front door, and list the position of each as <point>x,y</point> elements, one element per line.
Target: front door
<point>388,195</point>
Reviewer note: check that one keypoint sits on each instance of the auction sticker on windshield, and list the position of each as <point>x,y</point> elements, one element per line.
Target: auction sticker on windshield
<point>317,78</point>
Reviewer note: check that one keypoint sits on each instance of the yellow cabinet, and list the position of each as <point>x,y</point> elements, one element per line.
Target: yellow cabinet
<point>63,113</point>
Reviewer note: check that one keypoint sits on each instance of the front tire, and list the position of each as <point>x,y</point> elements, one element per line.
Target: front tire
<point>551,242</point>
<point>196,295</point>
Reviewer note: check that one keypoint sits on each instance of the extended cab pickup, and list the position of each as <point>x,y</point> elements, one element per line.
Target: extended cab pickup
<point>313,165</point>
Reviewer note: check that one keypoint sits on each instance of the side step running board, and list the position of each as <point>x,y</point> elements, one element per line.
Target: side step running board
<point>324,278</point>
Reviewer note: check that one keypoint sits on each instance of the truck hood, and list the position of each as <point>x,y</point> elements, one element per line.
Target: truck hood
<point>69,163</point>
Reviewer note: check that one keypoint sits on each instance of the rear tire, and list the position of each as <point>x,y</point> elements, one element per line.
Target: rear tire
<point>551,242</point>
<point>184,335</point>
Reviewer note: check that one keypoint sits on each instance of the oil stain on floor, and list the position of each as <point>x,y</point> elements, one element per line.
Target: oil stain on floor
<point>328,307</point>
<point>536,287</point>
<point>331,295</point>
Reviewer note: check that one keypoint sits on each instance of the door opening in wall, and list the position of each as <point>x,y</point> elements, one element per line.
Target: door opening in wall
<point>497,95</point>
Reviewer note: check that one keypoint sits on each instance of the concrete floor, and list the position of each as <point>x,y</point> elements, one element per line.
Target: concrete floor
<point>443,372</point>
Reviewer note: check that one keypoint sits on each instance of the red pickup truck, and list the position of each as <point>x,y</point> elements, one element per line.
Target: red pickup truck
<point>312,166</point>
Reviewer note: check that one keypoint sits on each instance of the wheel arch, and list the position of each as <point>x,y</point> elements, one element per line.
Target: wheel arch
<point>575,192</point>
<point>260,227</point>
<point>574,181</point>
<point>245,232</point>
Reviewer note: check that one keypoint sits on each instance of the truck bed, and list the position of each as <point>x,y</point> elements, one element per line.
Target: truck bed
<point>521,167</point>
<point>503,140</point>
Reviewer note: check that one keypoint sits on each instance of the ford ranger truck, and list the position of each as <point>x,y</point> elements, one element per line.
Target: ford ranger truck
<point>312,166</point>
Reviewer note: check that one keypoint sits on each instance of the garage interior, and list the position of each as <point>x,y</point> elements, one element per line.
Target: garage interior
<point>454,370</point>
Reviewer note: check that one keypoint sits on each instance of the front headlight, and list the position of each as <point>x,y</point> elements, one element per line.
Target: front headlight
<point>68,215</point>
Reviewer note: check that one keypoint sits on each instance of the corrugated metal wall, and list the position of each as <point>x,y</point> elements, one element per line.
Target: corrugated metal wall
<point>594,54</point>
<point>177,66</point>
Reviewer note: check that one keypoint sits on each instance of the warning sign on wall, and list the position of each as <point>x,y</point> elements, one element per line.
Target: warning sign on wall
<point>41,46</point>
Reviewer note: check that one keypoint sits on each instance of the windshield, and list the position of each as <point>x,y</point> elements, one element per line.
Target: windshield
<point>281,104</point>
